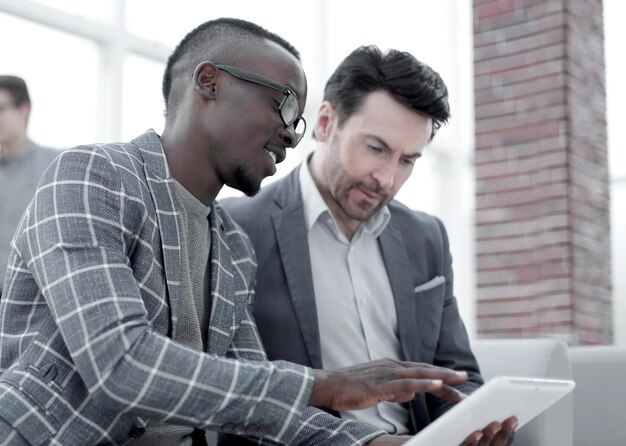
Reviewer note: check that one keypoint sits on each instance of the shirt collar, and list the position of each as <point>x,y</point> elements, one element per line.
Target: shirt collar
<point>315,206</point>
<point>190,202</point>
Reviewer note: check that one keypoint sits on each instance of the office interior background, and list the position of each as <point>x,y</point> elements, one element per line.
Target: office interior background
<point>94,73</point>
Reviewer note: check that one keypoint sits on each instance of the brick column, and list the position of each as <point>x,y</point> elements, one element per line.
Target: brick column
<point>542,182</point>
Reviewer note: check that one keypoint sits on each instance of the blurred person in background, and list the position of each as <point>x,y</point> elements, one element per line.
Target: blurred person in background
<point>22,162</point>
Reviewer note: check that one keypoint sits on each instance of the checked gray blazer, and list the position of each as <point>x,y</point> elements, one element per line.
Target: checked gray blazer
<point>89,308</point>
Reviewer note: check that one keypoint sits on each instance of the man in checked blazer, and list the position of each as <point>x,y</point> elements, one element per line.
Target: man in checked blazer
<point>347,274</point>
<point>125,315</point>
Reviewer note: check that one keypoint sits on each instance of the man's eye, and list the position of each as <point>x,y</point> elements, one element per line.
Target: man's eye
<point>375,148</point>
<point>408,161</point>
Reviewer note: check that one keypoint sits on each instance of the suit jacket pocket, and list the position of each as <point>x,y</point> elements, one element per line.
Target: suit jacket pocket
<point>429,298</point>
<point>432,283</point>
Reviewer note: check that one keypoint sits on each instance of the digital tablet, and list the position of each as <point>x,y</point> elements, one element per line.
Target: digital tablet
<point>498,399</point>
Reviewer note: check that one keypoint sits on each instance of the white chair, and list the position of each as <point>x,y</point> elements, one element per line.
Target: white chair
<point>538,358</point>
<point>599,396</point>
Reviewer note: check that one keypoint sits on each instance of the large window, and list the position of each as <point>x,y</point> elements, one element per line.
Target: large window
<point>94,70</point>
<point>62,74</point>
<point>143,106</point>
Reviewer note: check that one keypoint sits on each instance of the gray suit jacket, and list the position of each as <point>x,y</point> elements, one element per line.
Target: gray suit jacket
<point>90,306</point>
<point>415,250</point>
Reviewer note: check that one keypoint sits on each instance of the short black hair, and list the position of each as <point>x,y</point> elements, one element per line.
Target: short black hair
<point>409,81</point>
<point>16,87</point>
<point>216,40</point>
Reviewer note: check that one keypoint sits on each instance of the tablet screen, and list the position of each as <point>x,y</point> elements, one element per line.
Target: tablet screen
<point>497,400</point>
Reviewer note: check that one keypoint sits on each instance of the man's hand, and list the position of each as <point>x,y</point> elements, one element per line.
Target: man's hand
<point>367,384</point>
<point>495,434</point>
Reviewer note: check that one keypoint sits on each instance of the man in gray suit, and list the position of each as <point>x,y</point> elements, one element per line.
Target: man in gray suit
<point>346,274</point>
<point>126,314</point>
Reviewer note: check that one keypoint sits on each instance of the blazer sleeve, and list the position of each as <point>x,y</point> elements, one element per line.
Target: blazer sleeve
<point>77,245</point>
<point>453,350</point>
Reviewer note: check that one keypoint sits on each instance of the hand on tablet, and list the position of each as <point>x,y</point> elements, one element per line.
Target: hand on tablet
<point>494,434</point>
<point>364,385</point>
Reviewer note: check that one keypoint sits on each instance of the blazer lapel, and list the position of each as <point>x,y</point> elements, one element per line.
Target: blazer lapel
<point>397,263</point>
<point>161,185</point>
<point>291,234</point>
<point>222,294</point>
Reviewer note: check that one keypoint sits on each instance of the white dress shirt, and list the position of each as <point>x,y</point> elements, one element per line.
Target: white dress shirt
<point>355,306</point>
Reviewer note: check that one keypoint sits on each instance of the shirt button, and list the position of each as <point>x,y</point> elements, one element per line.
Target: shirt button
<point>137,431</point>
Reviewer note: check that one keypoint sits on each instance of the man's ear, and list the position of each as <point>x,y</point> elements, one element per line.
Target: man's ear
<point>325,122</point>
<point>24,110</point>
<point>204,79</point>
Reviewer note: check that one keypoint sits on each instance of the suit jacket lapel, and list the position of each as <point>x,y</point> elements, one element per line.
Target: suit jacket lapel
<point>397,263</point>
<point>291,234</point>
<point>222,293</point>
<point>161,186</point>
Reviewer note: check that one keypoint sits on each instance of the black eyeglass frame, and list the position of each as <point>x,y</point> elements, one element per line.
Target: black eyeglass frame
<point>259,79</point>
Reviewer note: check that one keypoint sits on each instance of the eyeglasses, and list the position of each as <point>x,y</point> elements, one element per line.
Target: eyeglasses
<point>289,108</point>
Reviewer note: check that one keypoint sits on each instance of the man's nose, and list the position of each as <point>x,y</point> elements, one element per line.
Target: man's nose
<point>287,135</point>
<point>384,175</point>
